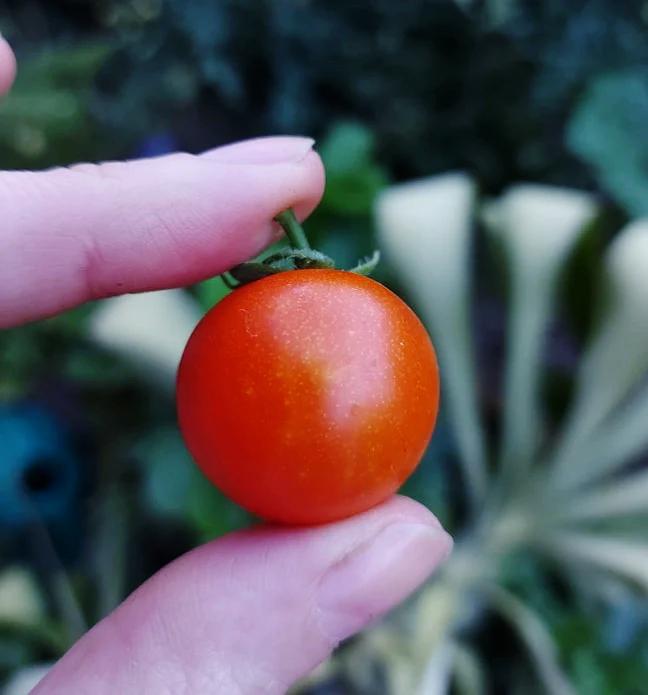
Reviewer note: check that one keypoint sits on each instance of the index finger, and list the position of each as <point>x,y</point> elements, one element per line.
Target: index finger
<point>7,66</point>
<point>92,231</point>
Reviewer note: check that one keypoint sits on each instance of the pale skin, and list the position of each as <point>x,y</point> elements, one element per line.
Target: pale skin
<point>256,610</point>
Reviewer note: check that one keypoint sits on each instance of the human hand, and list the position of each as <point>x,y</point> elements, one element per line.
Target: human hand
<point>253,611</point>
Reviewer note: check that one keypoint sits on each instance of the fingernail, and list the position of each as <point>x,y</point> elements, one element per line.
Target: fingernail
<point>378,574</point>
<point>269,150</point>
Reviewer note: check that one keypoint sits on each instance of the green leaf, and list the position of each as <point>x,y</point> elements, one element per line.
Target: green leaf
<point>168,471</point>
<point>593,666</point>
<point>249,272</point>
<point>210,292</point>
<point>72,66</point>
<point>353,177</point>
<point>347,147</point>
<point>211,512</point>
<point>174,486</point>
<point>367,265</point>
<point>608,130</point>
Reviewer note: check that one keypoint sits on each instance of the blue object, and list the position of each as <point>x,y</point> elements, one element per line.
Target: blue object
<point>156,144</point>
<point>625,622</point>
<point>39,469</point>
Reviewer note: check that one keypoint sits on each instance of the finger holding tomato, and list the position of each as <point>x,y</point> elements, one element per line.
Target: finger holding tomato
<point>217,617</point>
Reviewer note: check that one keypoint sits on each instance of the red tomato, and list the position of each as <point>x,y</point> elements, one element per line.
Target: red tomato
<point>309,395</point>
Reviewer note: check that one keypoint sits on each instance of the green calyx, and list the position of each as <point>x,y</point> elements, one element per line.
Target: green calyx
<point>299,256</point>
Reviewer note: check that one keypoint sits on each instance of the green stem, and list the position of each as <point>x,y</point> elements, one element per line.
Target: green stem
<point>293,229</point>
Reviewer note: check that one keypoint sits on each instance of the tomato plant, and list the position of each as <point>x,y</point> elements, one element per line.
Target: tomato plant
<point>310,394</point>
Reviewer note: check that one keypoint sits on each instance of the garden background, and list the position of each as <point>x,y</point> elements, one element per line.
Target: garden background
<point>499,92</point>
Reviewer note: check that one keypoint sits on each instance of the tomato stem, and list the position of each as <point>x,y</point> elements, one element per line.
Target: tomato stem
<point>293,229</point>
<point>300,256</point>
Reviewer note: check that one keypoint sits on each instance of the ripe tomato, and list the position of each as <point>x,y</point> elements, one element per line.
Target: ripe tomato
<point>309,395</point>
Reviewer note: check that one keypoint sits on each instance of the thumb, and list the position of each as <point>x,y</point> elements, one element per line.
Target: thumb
<point>256,610</point>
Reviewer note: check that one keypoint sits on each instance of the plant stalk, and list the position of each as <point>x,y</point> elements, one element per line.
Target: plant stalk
<point>293,229</point>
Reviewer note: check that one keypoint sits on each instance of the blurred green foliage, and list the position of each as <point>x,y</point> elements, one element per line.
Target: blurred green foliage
<point>608,130</point>
<point>353,176</point>
<point>342,224</point>
<point>583,635</point>
<point>486,86</point>
<point>46,117</point>
<point>595,668</point>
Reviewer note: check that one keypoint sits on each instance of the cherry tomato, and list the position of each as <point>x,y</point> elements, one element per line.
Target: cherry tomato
<point>309,395</point>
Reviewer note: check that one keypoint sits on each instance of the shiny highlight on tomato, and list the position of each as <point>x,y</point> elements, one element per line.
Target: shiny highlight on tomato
<point>309,395</point>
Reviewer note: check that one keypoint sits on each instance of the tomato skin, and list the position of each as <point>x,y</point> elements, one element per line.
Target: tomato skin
<point>309,395</point>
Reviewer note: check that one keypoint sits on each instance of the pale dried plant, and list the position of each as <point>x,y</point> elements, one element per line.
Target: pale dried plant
<point>536,493</point>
